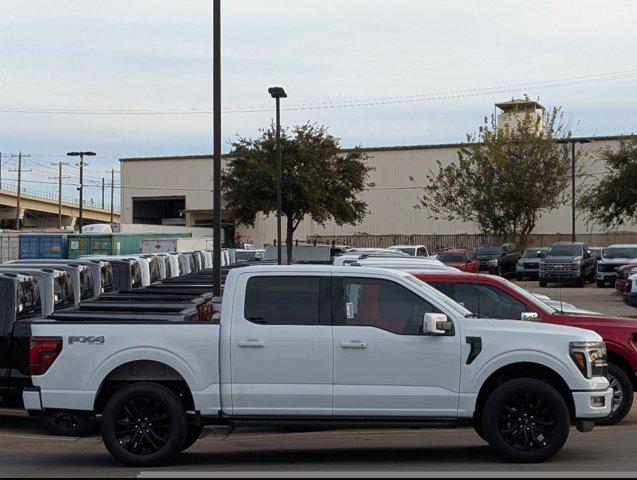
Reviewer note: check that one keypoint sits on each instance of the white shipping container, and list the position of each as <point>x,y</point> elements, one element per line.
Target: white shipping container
<point>176,245</point>
<point>9,247</point>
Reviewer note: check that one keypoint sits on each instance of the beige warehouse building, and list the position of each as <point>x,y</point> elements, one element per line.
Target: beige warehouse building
<point>178,190</point>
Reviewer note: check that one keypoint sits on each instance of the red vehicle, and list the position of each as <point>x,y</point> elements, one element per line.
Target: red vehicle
<point>461,258</point>
<point>622,276</point>
<point>489,296</point>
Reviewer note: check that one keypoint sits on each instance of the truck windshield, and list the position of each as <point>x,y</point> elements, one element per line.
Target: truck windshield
<point>564,251</point>
<point>64,295</point>
<point>87,289</point>
<point>620,252</point>
<point>529,296</point>
<point>488,250</point>
<point>28,303</point>
<point>432,292</point>
<point>408,250</point>
<point>247,256</point>
<point>533,253</point>
<point>452,258</point>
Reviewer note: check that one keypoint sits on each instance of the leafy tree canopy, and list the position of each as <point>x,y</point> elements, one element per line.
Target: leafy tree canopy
<point>319,181</point>
<point>613,201</point>
<point>504,178</point>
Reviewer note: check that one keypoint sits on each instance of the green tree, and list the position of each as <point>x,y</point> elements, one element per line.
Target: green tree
<point>613,201</point>
<point>319,181</point>
<point>504,178</point>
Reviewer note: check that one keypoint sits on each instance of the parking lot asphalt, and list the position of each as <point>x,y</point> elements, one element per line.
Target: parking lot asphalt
<point>603,300</point>
<point>27,450</point>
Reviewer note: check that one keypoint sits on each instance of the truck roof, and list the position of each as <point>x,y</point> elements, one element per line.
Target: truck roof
<point>319,269</point>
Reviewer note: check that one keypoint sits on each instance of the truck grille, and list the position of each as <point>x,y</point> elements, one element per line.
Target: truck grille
<point>559,267</point>
<point>602,267</point>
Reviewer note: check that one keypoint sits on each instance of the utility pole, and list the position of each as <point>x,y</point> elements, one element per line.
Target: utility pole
<point>0,170</point>
<point>112,172</point>
<point>19,156</point>
<point>216,171</point>
<point>59,178</point>
<point>81,187</point>
<point>102,193</point>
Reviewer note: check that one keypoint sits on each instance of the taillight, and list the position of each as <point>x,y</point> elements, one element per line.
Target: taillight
<point>43,352</point>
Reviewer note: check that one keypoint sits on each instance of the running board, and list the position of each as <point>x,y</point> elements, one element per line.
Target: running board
<point>339,422</point>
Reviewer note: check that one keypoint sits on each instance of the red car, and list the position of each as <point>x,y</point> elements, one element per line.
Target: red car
<point>622,276</point>
<point>494,297</point>
<point>461,258</point>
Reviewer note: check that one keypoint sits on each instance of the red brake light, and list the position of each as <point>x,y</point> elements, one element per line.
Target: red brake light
<point>43,352</point>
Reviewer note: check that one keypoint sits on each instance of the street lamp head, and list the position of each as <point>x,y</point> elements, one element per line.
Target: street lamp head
<point>277,92</point>
<point>79,154</point>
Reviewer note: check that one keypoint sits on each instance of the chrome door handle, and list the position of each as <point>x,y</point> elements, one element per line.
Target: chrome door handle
<point>354,344</point>
<point>251,344</point>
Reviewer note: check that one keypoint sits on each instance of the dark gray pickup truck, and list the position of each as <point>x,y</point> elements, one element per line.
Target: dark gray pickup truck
<point>567,262</point>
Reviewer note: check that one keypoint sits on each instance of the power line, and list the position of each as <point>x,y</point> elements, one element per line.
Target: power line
<point>465,93</point>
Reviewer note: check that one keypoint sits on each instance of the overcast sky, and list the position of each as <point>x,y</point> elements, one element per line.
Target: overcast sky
<point>155,55</point>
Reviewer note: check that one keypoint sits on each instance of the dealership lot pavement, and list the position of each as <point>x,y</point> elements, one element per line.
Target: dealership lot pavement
<point>26,450</point>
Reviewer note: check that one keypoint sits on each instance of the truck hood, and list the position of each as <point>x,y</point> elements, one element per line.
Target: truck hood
<point>619,262</point>
<point>595,320</point>
<point>572,333</point>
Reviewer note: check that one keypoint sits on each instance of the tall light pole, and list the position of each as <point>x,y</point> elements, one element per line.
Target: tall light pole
<point>216,170</point>
<point>81,187</point>
<point>278,93</point>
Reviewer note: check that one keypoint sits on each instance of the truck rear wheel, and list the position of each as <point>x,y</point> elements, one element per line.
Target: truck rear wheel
<point>601,283</point>
<point>526,420</point>
<point>144,425</point>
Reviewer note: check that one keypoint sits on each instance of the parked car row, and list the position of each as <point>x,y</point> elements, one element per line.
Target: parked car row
<point>155,287</point>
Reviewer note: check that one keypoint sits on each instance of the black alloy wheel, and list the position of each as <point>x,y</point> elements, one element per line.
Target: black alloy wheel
<point>144,425</point>
<point>526,420</point>
<point>527,423</point>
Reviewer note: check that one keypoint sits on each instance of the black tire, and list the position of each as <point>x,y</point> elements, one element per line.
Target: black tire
<point>195,429</point>
<point>623,395</point>
<point>601,283</point>
<point>151,445</point>
<point>544,420</point>
<point>519,277</point>
<point>581,281</point>
<point>543,283</point>
<point>69,424</point>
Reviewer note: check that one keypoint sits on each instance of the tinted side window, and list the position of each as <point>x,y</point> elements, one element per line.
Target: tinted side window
<point>283,300</point>
<point>382,304</point>
<point>489,301</point>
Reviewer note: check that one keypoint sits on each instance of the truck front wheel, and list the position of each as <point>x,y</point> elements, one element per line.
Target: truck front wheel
<point>526,420</point>
<point>144,425</point>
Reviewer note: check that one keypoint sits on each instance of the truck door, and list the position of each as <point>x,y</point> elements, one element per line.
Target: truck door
<point>6,308</point>
<point>282,359</point>
<point>383,364</point>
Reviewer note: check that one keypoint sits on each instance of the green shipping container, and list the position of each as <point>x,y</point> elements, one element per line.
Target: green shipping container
<point>115,244</point>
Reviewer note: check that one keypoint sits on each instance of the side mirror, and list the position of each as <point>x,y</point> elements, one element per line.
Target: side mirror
<point>541,254</point>
<point>436,324</point>
<point>529,317</point>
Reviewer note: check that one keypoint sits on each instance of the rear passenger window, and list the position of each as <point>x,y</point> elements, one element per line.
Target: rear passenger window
<point>283,300</point>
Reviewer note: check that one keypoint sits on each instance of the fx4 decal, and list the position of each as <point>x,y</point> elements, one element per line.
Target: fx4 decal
<point>87,340</point>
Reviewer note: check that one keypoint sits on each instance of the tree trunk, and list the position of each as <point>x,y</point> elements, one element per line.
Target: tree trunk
<point>289,236</point>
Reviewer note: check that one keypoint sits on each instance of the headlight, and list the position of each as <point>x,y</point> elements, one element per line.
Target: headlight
<point>590,358</point>
<point>493,263</point>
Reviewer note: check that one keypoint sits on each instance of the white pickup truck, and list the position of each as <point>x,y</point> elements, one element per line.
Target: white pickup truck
<point>322,346</point>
